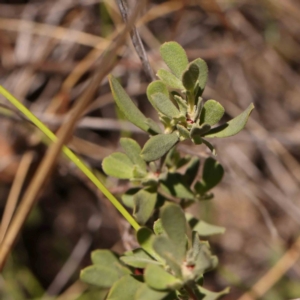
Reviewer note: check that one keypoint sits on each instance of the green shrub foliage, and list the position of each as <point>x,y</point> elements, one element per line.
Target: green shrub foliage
<point>173,257</point>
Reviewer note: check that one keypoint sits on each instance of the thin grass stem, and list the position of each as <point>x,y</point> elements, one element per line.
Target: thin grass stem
<point>70,155</point>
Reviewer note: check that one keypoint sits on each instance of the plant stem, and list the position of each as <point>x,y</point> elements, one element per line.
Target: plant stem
<point>136,41</point>
<point>191,293</point>
<point>75,159</point>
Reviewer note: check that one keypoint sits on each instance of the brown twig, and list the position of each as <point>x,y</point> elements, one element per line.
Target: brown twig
<point>266,282</point>
<point>136,41</point>
<point>15,192</point>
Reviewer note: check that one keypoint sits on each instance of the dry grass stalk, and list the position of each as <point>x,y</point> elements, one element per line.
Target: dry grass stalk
<point>15,191</point>
<point>265,283</point>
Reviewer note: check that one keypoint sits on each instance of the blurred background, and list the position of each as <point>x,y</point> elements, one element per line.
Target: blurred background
<point>48,54</point>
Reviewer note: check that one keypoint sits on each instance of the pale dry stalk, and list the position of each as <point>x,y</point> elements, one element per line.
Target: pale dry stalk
<point>15,191</point>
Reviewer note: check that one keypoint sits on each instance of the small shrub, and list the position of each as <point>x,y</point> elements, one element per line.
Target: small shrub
<point>172,258</point>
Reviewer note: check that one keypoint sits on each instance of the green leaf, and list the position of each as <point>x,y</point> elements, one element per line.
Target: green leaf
<point>181,104</point>
<point>125,288</point>
<point>103,277</point>
<point>146,293</point>
<point>174,224</point>
<point>158,145</point>
<point>157,227</point>
<point>232,127</point>
<point>169,79</point>
<point>175,57</point>
<point>104,257</point>
<point>212,175</point>
<point>212,112</point>
<point>191,171</point>
<point>167,250</point>
<point>190,76</point>
<point>175,185</point>
<point>127,198</point>
<point>144,204</point>
<point>126,106</point>
<point>153,125</point>
<point>157,278</point>
<point>203,72</point>
<point>145,238</point>
<point>200,257</point>
<point>150,181</point>
<point>208,295</point>
<point>164,105</point>
<point>198,110</point>
<point>133,150</point>
<point>138,258</point>
<point>155,87</point>
<point>118,165</point>
<point>205,229</point>
<point>95,294</point>
<point>184,133</point>
<point>198,131</point>
<point>172,158</point>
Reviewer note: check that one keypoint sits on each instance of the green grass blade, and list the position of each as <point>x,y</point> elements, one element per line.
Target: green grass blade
<point>75,159</point>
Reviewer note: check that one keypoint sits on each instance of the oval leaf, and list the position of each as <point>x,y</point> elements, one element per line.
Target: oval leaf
<point>198,131</point>
<point>156,87</point>
<point>127,197</point>
<point>212,112</point>
<point>158,145</point>
<point>169,79</point>
<point>175,185</point>
<point>232,127</point>
<point>206,229</point>
<point>167,250</point>
<point>144,204</point>
<point>181,104</point>
<point>190,77</point>
<point>164,105</point>
<point>126,106</point>
<point>212,175</point>
<point>125,288</point>
<point>104,257</point>
<point>138,258</point>
<point>174,223</point>
<point>145,238</point>
<point>133,151</point>
<point>103,277</point>
<point>175,57</point>
<point>192,171</point>
<point>118,165</point>
<point>183,132</point>
<point>203,72</point>
<point>146,293</point>
<point>157,278</point>
<point>153,126</point>
<point>157,227</point>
